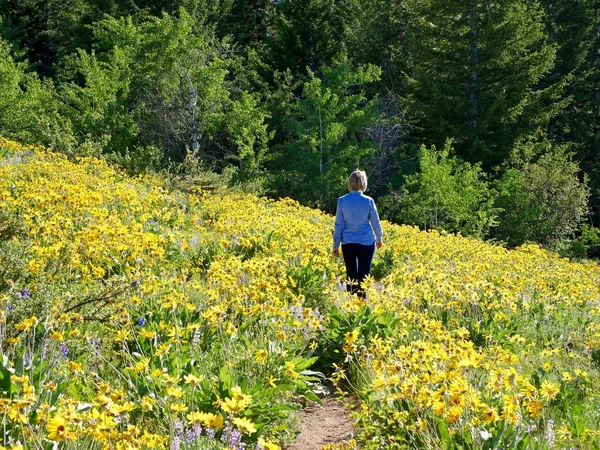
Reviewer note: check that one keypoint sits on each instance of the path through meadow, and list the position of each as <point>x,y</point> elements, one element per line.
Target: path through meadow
<point>327,423</point>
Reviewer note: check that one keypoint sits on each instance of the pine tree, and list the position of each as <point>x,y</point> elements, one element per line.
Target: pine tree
<point>582,120</point>
<point>323,133</point>
<point>307,34</point>
<point>52,29</point>
<point>376,27</point>
<point>475,73</point>
<point>248,21</point>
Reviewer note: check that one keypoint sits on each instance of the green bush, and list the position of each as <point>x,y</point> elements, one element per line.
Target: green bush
<point>448,194</point>
<point>542,200</point>
<point>586,243</point>
<point>30,109</point>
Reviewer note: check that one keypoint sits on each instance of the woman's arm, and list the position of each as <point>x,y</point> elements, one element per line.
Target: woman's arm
<point>376,224</point>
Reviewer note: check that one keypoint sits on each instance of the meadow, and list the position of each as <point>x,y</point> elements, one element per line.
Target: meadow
<point>138,315</point>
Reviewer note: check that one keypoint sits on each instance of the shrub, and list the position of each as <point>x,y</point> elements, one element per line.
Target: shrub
<point>448,194</point>
<point>542,200</point>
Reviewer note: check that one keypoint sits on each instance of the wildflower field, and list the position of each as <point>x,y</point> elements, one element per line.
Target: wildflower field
<point>138,316</point>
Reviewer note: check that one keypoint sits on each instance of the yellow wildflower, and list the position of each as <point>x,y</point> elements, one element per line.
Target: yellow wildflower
<point>244,425</point>
<point>57,428</point>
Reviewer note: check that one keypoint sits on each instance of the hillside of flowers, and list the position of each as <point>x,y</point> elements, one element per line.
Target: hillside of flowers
<point>138,316</point>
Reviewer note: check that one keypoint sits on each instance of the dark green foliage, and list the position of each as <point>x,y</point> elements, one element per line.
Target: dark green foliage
<point>374,26</point>
<point>248,21</point>
<point>588,244</point>
<point>308,34</point>
<point>474,74</point>
<point>51,29</point>
<point>581,123</point>
<point>323,134</point>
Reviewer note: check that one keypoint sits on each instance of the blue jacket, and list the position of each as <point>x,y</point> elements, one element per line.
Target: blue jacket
<point>356,220</point>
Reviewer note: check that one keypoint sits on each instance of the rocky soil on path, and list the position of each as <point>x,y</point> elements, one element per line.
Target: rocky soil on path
<point>327,423</point>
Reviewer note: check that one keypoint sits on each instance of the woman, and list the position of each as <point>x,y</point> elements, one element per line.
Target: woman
<point>358,229</point>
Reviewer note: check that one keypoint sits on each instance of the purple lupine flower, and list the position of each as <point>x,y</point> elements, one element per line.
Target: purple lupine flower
<point>226,431</point>
<point>26,359</point>
<point>96,344</point>
<point>196,338</point>
<point>178,427</point>
<point>210,434</point>
<point>64,349</point>
<point>197,429</point>
<point>235,438</point>
<point>25,294</point>
<point>9,308</point>
<point>193,434</point>
<point>175,443</point>
<point>141,322</point>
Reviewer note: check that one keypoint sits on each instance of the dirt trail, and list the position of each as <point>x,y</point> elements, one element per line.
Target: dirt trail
<point>327,423</point>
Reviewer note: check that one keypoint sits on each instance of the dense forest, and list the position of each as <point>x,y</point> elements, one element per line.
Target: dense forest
<point>469,116</point>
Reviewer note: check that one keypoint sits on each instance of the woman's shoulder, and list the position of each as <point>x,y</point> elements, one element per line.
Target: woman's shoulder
<point>370,199</point>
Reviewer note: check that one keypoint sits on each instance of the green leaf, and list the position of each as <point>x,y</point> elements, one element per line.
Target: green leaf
<point>5,380</point>
<point>498,437</point>
<point>225,377</point>
<point>524,443</point>
<point>310,395</point>
<point>442,428</point>
<point>304,364</point>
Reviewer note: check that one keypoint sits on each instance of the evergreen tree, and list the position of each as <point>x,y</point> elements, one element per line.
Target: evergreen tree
<point>581,123</point>
<point>51,29</point>
<point>323,134</point>
<point>475,71</point>
<point>248,21</point>
<point>374,35</point>
<point>307,34</point>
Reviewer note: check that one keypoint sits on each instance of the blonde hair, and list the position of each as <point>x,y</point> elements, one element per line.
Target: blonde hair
<point>357,181</point>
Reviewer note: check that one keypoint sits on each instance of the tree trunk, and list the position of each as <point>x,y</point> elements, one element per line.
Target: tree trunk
<point>192,115</point>
<point>597,66</point>
<point>46,67</point>
<point>550,26</point>
<point>474,64</point>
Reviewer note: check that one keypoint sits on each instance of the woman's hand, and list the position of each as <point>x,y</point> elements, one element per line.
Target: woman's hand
<point>379,244</point>
<point>335,253</point>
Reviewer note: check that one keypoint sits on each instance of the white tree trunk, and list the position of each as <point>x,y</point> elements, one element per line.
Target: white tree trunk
<point>192,116</point>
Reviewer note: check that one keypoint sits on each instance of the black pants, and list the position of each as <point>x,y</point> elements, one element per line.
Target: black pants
<point>358,260</point>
